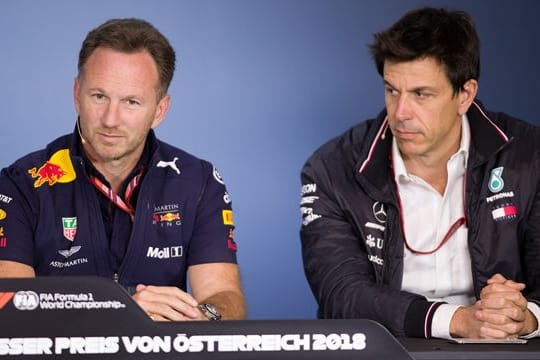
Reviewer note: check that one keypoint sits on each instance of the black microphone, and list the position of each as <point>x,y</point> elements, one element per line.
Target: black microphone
<point>79,130</point>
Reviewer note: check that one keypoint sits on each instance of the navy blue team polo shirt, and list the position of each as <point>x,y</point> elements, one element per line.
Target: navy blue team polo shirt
<point>51,217</point>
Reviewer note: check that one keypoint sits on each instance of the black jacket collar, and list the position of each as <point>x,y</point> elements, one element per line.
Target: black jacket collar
<point>374,167</point>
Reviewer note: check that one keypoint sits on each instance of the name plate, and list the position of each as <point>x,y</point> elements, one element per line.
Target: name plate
<point>78,317</point>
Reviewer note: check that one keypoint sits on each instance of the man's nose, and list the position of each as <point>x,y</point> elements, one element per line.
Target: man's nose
<point>402,110</point>
<point>110,114</point>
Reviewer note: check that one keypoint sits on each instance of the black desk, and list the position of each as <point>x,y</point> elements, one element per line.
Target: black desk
<point>421,349</point>
<point>90,317</point>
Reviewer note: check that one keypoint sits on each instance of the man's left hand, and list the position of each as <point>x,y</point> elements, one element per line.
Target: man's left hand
<point>504,309</point>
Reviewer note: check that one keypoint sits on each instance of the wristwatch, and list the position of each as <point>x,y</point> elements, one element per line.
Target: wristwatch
<point>210,311</point>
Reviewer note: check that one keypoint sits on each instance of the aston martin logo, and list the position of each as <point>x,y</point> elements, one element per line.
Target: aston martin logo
<point>67,253</point>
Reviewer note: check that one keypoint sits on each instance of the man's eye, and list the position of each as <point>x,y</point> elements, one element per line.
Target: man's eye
<point>391,91</point>
<point>132,102</point>
<point>98,96</point>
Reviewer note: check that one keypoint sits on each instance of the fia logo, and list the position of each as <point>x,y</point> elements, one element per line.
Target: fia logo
<point>496,182</point>
<point>26,300</point>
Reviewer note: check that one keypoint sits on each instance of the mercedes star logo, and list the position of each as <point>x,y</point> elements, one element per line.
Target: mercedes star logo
<point>379,212</point>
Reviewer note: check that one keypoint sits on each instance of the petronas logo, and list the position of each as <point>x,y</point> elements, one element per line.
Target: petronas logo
<point>496,182</point>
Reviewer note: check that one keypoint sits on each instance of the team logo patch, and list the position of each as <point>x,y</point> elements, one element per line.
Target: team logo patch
<point>379,212</point>
<point>503,195</point>
<point>171,164</point>
<point>3,214</point>
<point>227,217</point>
<point>71,251</point>
<point>5,199</point>
<point>3,239</point>
<point>165,253</point>
<point>372,225</point>
<point>308,215</point>
<point>376,260</point>
<point>69,224</point>
<point>217,176</point>
<point>230,241</point>
<point>231,245</point>
<point>58,169</point>
<point>308,189</point>
<point>373,241</point>
<point>167,215</point>
<point>505,212</point>
<point>4,298</point>
<point>496,182</point>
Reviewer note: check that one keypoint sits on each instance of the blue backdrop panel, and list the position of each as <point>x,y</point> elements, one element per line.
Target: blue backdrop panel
<point>259,86</point>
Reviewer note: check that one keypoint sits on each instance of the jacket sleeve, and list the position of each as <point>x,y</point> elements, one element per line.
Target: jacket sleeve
<point>531,251</point>
<point>337,265</point>
<point>213,235</point>
<point>16,214</point>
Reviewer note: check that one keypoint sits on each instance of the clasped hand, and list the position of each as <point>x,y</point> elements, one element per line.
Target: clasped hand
<point>500,313</point>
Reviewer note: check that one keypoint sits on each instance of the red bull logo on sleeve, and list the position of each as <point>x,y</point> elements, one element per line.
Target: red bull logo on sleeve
<point>58,169</point>
<point>3,214</point>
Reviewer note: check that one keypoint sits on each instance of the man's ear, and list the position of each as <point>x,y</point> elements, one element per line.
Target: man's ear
<point>466,95</point>
<point>76,93</point>
<point>161,110</point>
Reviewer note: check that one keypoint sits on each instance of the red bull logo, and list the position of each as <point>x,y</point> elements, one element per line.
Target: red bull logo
<point>57,169</point>
<point>3,214</point>
<point>169,217</point>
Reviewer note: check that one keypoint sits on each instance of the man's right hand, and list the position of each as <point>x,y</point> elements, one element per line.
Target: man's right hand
<point>464,323</point>
<point>167,303</point>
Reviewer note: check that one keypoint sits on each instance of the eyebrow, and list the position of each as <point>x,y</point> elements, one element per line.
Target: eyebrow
<point>415,89</point>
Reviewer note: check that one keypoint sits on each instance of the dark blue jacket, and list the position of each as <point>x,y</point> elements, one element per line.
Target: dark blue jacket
<point>51,219</point>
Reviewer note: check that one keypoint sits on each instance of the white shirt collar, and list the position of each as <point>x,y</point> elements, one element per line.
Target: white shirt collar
<point>400,171</point>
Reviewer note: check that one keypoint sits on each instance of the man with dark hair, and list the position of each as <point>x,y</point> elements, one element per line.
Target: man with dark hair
<point>427,218</point>
<point>114,201</point>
